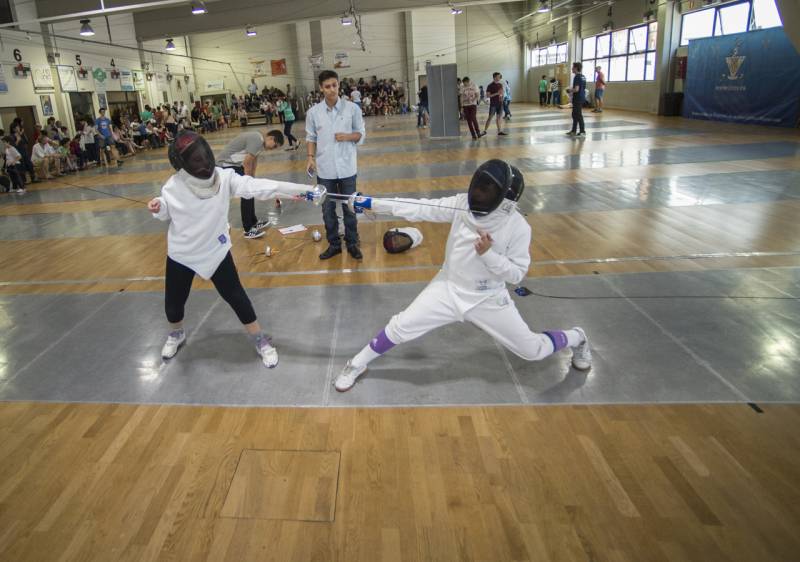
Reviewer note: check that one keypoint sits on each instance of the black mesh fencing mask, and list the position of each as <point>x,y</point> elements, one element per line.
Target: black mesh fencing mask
<point>517,185</point>
<point>192,153</point>
<point>397,240</point>
<point>489,185</point>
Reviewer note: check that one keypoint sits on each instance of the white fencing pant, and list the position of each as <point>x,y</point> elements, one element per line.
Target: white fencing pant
<point>498,316</point>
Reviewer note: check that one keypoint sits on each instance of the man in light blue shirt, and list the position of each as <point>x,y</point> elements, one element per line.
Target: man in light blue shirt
<point>333,129</point>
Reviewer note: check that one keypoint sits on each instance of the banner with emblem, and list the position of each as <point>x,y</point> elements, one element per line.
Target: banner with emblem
<point>751,77</point>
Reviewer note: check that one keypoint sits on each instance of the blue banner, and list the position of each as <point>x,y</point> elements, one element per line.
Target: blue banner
<point>751,77</point>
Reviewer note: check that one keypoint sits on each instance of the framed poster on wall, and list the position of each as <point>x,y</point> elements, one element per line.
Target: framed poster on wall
<point>47,106</point>
<point>42,77</point>
<point>3,84</point>
<point>66,75</point>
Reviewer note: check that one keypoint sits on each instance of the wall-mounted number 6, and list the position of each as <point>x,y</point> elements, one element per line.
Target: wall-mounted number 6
<point>17,55</point>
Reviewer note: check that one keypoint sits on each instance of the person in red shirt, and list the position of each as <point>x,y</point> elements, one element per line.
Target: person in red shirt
<point>495,93</point>
<point>599,90</point>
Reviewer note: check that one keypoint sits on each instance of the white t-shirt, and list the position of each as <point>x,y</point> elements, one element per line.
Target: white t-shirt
<point>39,152</point>
<point>355,96</point>
<point>199,233</point>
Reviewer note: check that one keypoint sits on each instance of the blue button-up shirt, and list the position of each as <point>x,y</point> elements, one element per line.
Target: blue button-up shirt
<point>335,160</point>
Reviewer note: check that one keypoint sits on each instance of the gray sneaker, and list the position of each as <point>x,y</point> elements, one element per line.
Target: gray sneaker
<point>348,377</point>
<point>582,355</point>
<point>252,234</point>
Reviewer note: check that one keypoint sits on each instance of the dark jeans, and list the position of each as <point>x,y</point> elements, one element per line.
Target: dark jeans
<point>542,98</point>
<point>343,186</point>
<point>506,110</point>
<point>577,116</point>
<point>247,206</point>
<point>16,174</point>
<point>225,279</point>
<point>287,132</point>
<point>470,114</point>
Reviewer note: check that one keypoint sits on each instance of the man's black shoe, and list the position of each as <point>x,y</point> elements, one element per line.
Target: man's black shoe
<point>355,252</point>
<point>330,252</point>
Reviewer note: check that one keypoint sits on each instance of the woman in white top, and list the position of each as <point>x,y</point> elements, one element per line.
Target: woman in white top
<point>87,140</point>
<point>195,201</point>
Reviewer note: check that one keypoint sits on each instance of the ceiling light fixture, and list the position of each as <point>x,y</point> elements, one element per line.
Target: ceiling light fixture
<point>544,7</point>
<point>347,20</point>
<point>199,8</point>
<point>170,45</point>
<point>86,29</point>
<point>250,32</point>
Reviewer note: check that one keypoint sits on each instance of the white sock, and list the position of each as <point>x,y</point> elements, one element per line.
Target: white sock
<point>365,356</point>
<point>574,338</point>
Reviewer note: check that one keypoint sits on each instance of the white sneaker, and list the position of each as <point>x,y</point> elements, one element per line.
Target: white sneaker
<point>582,355</point>
<point>174,341</point>
<point>348,377</point>
<point>269,355</point>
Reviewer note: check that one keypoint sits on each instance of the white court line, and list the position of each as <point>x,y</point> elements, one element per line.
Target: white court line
<point>414,268</point>
<point>326,392</point>
<point>56,342</point>
<point>520,390</point>
<point>697,359</point>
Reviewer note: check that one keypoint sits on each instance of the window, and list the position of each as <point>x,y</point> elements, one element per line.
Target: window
<point>765,14</point>
<point>729,18</point>
<point>732,19</point>
<point>553,54</point>
<point>697,25</point>
<point>625,55</point>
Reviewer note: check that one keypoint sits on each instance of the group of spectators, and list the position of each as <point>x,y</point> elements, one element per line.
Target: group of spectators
<point>53,151</point>
<point>373,96</point>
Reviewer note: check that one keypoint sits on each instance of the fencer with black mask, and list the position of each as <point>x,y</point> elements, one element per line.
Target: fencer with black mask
<point>195,201</point>
<point>488,246</point>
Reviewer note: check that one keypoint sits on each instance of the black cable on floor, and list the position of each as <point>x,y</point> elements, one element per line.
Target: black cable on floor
<point>524,292</point>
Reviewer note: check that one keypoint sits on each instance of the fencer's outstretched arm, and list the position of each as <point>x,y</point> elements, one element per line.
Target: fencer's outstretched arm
<point>158,208</point>
<point>418,210</point>
<point>513,266</point>
<point>247,187</point>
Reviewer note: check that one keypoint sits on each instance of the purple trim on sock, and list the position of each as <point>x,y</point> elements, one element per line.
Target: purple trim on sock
<point>558,338</point>
<point>381,343</point>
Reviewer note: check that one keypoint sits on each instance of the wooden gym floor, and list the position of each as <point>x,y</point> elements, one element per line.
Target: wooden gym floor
<point>97,463</point>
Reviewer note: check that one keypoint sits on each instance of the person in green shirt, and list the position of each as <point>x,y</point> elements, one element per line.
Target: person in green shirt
<point>543,90</point>
<point>216,112</point>
<point>147,114</point>
<point>285,108</point>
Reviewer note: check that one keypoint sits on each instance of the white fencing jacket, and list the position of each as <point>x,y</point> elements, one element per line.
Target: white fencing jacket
<point>199,233</point>
<point>472,277</point>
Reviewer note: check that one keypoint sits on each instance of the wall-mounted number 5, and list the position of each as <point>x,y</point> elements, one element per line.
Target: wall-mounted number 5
<point>78,60</point>
<point>17,55</point>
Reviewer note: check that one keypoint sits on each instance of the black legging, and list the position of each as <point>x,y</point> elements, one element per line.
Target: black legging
<point>287,132</point>
<point>226,281</point>
<point>577,116</point>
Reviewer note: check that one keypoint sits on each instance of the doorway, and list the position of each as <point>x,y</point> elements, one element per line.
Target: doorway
<point>26,113</point>
<point>82,106</point>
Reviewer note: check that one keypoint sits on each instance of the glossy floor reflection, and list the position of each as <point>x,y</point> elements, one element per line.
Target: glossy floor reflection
<point>714,336</point>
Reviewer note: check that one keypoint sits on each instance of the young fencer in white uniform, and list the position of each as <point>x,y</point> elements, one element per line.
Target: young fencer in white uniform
<point>488,246</point>
<point>195,201</point>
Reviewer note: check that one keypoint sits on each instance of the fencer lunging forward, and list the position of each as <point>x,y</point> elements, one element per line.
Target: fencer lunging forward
<point>488,246</point>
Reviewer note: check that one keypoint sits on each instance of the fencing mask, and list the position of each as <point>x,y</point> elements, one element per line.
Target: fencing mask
<point>517,185</point>
<point>190,152</point>
<point>399,240</point>
<point>489,185</point>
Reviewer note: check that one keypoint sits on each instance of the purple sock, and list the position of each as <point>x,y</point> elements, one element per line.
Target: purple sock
<point>381,343</point>
<point>558,338</point>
